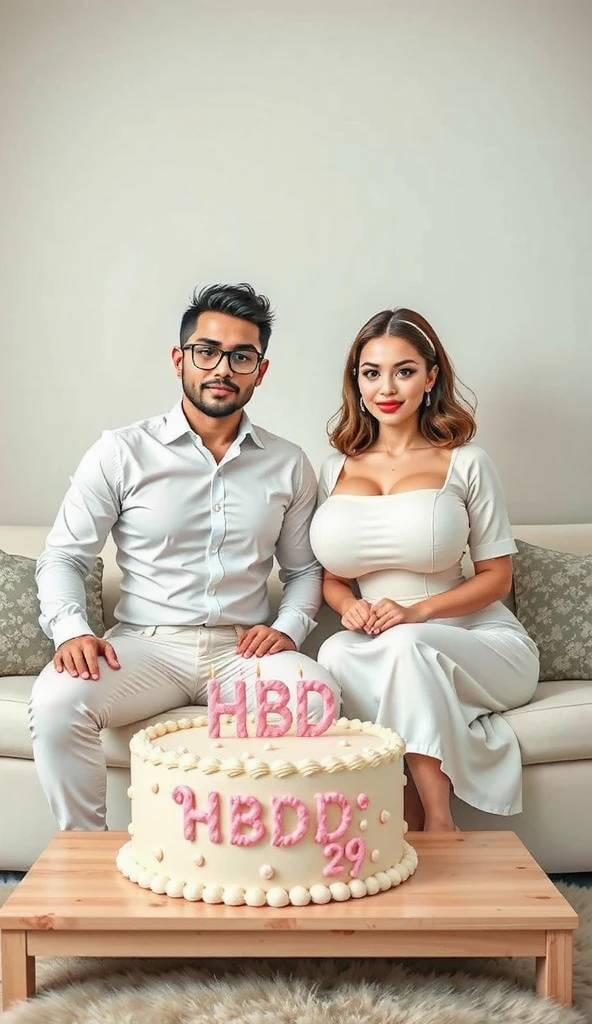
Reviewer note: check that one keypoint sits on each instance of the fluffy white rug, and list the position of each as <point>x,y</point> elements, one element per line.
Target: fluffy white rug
<point>109,991</point>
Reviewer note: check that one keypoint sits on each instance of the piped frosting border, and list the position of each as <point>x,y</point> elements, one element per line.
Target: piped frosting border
<point>235,896</point>
<point>143,746</point>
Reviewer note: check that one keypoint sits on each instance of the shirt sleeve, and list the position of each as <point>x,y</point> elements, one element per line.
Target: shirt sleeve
<point>89,510</point>
<point>490,533</point>
<point>300,573</point>
<point>328,475</point>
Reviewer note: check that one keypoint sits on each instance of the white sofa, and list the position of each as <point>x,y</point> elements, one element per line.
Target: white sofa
<point>554,730</point>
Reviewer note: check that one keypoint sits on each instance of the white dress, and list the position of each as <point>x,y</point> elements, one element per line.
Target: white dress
<point>440,684</point>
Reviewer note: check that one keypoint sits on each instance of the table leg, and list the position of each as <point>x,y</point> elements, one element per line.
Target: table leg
<point>554,971</point>
<point>18,969</point>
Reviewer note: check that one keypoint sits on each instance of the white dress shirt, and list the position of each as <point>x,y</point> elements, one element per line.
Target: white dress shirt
<point>195,539</point>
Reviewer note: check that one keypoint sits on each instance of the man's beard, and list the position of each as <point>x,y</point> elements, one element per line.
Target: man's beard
<point>212,406</point>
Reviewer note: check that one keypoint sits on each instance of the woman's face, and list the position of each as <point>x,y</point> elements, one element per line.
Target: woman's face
<point>393,378</point>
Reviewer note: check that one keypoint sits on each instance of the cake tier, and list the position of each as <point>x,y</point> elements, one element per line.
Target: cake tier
<point>254,821</point>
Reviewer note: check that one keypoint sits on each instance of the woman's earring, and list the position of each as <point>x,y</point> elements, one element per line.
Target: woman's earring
<point>428,400</point>
<point>362,406</point>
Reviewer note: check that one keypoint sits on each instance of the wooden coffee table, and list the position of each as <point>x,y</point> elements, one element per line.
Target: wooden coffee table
<point>474,894</point>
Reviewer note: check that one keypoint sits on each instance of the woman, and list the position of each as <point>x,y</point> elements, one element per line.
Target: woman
<point>425,651</point>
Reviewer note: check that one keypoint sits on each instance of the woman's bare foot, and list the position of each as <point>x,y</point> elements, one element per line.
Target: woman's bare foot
<point>443,823</point>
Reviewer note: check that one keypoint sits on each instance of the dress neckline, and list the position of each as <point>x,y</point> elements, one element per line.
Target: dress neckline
<point>399,494</point>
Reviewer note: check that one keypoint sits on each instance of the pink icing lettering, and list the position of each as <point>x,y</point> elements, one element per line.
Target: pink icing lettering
<point>192,815</point>
<point>245,811</point>
<point>335,867</point>
<point>216,708</point>
<point>363,801</point>
<point>278,836</point>
<point>303,726</point>
<point>278,707</point>
<point>323,836</point>
<point>355,850</point>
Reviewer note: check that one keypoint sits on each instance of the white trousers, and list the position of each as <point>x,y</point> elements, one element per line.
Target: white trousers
<point>161,668</point>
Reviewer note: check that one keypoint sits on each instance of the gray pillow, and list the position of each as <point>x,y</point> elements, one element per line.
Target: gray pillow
<point>24,648</point>
<point>554,604</point>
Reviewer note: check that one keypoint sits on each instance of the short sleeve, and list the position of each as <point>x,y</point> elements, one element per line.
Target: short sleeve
<point>490,532</point>
<point>328,476</point>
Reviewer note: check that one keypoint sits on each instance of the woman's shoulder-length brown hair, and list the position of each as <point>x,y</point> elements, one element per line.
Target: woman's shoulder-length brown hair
<point>447,422</point>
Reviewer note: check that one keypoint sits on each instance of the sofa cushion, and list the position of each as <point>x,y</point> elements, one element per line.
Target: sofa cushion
<point>553,592</point>
<point>15,739</point>
<point>557,724</point>
<point>24,647</point>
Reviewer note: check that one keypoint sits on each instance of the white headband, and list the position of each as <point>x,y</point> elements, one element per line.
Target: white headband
<point>421,331</point>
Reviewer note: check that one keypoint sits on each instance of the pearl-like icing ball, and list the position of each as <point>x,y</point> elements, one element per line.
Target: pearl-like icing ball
<point>255,897</point>
<point>357,888</point>
<point>383,880</point>
<point>213,894</point>
<point>363,825</point>
<point>155,787</point>
<point>234,896</point>
<point>193,892</point>
<point>339,891</point>
<point>266,871</point>
<point>277,897</point>
<point>320,894</point>
<point>299,896</point>
<point>384,817</point>
<point>374,856</point>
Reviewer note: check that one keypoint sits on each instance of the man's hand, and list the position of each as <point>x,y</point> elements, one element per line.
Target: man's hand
<point>260,640</point>
<point>386,613</point>
<point>356,614</point>
<point>79,656</point>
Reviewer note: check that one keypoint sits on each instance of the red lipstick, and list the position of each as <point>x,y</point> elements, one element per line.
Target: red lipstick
<point>389,406</point>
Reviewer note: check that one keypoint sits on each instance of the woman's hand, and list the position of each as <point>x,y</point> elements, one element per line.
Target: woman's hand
<point>386,613</point>
<point>356,614</point>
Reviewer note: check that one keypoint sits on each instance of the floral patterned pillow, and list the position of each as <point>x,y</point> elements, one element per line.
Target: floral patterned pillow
<point>24,648</point>
<point>554,604</point>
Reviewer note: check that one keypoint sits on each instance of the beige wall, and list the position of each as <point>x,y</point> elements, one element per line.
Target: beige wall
<point>343,157</point>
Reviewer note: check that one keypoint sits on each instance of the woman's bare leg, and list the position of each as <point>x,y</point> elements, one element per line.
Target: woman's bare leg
<point>413,807</point>
<point>433,787</point>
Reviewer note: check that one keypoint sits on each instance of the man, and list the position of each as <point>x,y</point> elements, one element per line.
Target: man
<point>199,501</point>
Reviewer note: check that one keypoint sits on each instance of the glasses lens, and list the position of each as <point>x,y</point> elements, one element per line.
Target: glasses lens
<point>243,362</point>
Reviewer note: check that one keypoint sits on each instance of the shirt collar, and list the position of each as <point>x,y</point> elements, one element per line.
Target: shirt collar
<point>176,425</point>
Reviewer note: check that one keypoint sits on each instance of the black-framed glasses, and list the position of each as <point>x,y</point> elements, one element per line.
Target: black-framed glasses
<point>208,357</point>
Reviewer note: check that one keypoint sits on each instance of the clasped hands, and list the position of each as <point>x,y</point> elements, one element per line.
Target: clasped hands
<point>375,618</point>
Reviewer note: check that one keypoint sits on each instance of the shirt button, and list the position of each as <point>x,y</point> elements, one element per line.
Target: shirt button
<point>212,591</point>
<point>215,551</point>
<point>217,508</point>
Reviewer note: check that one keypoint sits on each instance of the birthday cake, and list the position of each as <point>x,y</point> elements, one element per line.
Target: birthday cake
<point>263,810</point>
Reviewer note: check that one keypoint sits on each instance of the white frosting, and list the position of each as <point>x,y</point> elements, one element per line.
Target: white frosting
<point>360,761</point>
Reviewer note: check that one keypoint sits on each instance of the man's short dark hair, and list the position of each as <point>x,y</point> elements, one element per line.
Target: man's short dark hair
<point>238,300</point>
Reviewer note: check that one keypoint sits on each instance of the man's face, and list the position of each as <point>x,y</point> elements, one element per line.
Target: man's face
<point>223,389</point>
